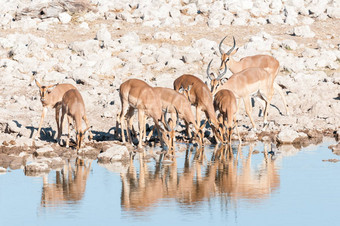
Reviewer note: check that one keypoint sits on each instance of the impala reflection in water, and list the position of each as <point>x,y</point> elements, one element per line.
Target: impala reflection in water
<point>69,185</point>
<point>228,173</point>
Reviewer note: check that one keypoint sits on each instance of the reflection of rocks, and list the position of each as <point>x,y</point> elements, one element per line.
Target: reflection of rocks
<point>37,167</point>
<point>116,167</point>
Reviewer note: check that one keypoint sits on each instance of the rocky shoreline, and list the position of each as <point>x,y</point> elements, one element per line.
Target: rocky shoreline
<point>96,45</point>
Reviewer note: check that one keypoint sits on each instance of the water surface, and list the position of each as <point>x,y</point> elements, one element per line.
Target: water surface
<point>249,185</point>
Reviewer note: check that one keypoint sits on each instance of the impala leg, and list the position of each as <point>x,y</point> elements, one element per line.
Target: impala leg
<point>151,133</point>
<point>69,122</point>
<point>172,134</point>
<point>144,129</point>
<point>267,98</point>
<point>44,111</point>
<point>117,125</point>
<point>61,125</point>
<point>87,126</point>
<point>122,119</point>
<point>160,135</point>
<point>280,91</point>
<point>141,125</point>
<point>57,112</point>
<point>198,116</point>
<point>129,120</point>
<point>187,130</point>
<point>247,105</point>
<point>238,133</point>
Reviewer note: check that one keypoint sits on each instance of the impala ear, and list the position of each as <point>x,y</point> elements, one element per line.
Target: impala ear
<point>38,84</point>
<point>181,90</point>
<point>234,52</point>
<point>51,86</point>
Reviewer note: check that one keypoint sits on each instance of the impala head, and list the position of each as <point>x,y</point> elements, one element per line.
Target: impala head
<point>200,135</point>
<point>230,129</point>
<point>186,91</point>
<point>225,57</point>
<point>80,137</point>
<point>215,81</point>
<point>44,90</point>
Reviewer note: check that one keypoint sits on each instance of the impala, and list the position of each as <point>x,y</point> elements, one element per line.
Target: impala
<point>178,106</point>
<point>268,63</point>
<point>73,105</point>
<point>225,103</point>
<point>137,94</point>
<point>51,98</point>
<point>248,82</point>
<point>200,96</point>
<point>215,82</point>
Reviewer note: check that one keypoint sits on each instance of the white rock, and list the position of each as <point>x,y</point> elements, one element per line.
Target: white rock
<point>333,12</point>
<point>130,40</point>
<point>175,63</point>
<point>287,136</point>
<point>146,60</point>
<point>176,37</point>
<point>205,46</point>
<point>103,35</point>
<point>42,151</point>
<point>43,26</point>
<point>12,127</point>
<point>275,19</point>
<point>84,48</point>
<point>289,44</point>
<point>303,31</point>
<point>64,17</point>
<point>309,52</point>
<point>115,153</point>
<point>84,25</point>
<point>161,35</point>
<point>213,23</point>
<point>307,20</point>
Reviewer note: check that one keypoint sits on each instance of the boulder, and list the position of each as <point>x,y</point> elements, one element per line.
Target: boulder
<point>116,152</point>
<point>46,151</point>
<point>333,12</point>
<point>303,31</point>
<point>103,35</point>
<point>287,136</point>
<point>335,149</point>
<point>64,17</point>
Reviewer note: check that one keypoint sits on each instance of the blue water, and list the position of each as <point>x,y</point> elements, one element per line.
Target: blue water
<point>293,187</point>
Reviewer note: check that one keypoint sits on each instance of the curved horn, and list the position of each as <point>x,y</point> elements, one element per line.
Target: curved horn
<point>225,71</point>
<point>208,69</point>
<point>220,46</point>
<point>232,48</point>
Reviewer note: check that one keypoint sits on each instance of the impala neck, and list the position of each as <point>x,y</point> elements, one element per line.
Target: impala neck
<point>234,66</point>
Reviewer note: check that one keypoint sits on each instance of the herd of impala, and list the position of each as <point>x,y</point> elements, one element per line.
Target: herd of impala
<point>251,75</point>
